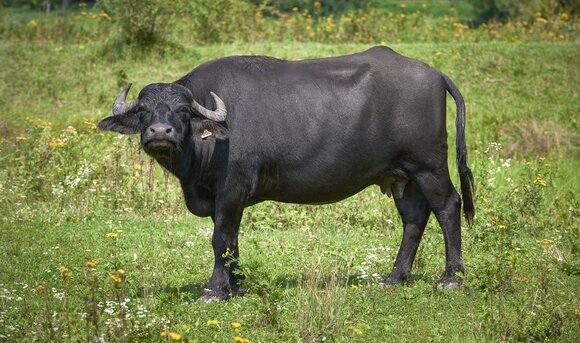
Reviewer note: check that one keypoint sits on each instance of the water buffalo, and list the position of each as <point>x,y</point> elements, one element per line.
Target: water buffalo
<point>240,130</point>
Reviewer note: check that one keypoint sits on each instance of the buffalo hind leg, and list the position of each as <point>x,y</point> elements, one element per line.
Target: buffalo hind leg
<point>414,211</point>
<point>446,204</point>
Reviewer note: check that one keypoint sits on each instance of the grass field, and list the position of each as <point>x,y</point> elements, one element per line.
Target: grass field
<point>95,241</point>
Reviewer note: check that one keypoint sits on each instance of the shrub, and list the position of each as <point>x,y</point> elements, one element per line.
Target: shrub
<point>143,22</point>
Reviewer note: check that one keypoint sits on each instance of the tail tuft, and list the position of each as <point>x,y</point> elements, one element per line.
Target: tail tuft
<point>467,192</point>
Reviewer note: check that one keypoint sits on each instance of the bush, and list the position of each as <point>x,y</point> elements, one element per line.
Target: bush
<point>143,22</point>
<point>225,21</point>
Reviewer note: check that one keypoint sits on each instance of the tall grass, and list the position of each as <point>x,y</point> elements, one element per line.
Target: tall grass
<point>228,21</point>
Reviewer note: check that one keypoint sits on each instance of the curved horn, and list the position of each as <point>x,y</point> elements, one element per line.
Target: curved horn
<point>219,114</point>
<point>119,105</point>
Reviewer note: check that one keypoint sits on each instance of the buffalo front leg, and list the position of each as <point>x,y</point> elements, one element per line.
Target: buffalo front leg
<point>414,211</point>
<point>224,282</point>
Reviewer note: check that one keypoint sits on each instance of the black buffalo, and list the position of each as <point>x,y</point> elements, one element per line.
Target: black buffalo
<point>240,130</point>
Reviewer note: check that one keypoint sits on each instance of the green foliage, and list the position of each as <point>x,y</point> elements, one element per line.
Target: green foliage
<point>146,24</point>
<point>328,7</point>
<point>503,10</point>
<point>143,22</point>
<point>224,21</point>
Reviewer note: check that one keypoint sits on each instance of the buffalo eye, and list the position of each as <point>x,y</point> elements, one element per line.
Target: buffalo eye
<point>144,115</point>
<point>184,111</point>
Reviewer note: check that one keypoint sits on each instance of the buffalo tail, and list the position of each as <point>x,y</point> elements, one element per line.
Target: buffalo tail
<point>465,174</point>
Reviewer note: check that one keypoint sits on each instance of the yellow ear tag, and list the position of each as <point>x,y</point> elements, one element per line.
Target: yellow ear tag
<point>206,133</point>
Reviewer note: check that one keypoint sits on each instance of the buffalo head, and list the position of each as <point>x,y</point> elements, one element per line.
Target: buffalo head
<point>167,117</point>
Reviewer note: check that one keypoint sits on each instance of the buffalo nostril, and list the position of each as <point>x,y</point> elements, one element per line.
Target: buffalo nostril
<point>152,130</point>
<point>168,130</point>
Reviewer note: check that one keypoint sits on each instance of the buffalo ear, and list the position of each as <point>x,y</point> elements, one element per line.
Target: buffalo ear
<point>202,129</point>
<point>122,123</point>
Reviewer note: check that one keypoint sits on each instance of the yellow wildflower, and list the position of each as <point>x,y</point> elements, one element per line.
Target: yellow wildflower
<point>317,4</point>
<point>32,23</point>
<point>116,278</point>
<point>70,130</point>
<point>403,6</point>
<point>41,124</point>
<point>40,287</point>
<point>112,234</point>
<point>564,16</point>
<point>121,271</point>
<point>104,15</point>
<point>538,14</point>
<point>20,138</point>
<point>541,20</point>
<point>548,243</point>
<point>358,331</point>
<point>65,272</point>
<point>89,124</point>
<point>83,4</point>
<point>239,339</point>
<point>88,250</point>
<point>56,143</point>
<point>213,322</point>
<point>174,336</point>
<point>424,6</point>
<point>236,325</point>
<point>540,181</point>
<point>501,226</point>
<point>91,264</point>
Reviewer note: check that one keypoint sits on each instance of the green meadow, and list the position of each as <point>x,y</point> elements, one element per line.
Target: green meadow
<point>96,244</point>
<point>96,240</point>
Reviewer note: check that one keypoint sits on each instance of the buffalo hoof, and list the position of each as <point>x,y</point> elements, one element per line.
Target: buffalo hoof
<point>449,283</point>
<point>210,296</point>
<point>239,290</point>
<point>391,282</point>
<point>210,299</point>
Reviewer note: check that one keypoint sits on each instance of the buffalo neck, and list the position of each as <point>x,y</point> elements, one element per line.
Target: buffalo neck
<point>191,164</point>
<point>179,163</point>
